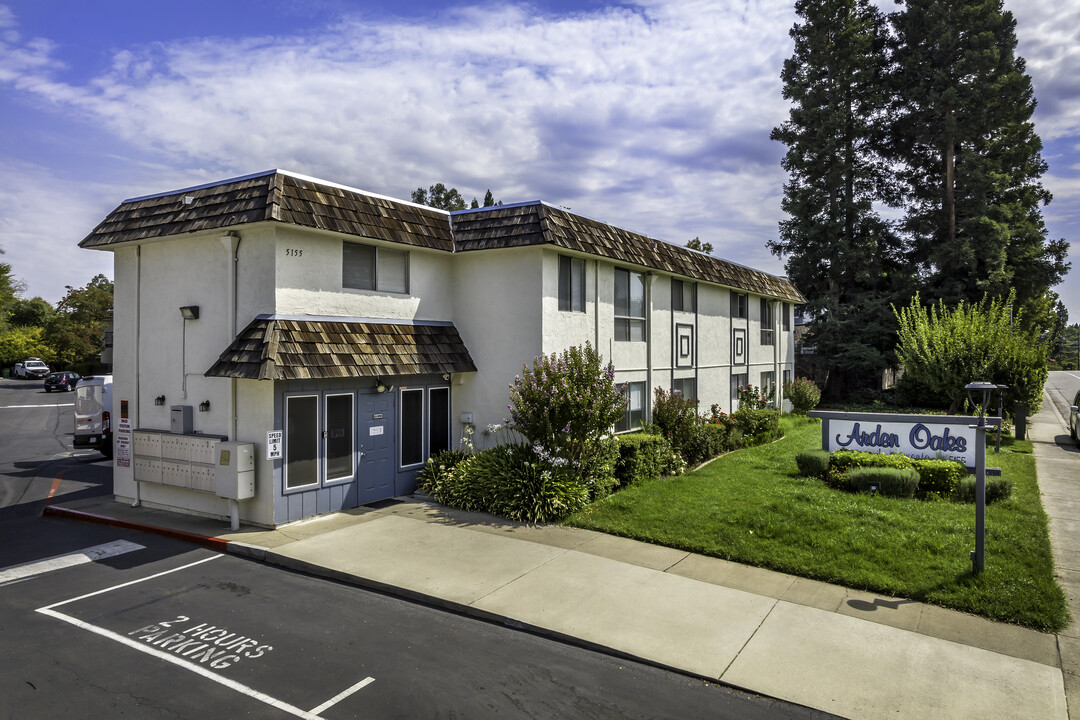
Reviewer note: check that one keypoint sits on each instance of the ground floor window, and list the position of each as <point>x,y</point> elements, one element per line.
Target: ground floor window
<point>768,379</point>
<point>686,387</point>
<point>339,436</point>
<point>738,381</point>
<point>635,408</point>
<point>438,420</point>
<point>412,427</point>
<point>301,441</point>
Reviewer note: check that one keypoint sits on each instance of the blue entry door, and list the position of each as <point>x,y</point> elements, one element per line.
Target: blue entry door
<point>375,447</point>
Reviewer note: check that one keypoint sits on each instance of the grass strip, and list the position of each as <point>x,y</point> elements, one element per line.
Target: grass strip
<point>752,507</point>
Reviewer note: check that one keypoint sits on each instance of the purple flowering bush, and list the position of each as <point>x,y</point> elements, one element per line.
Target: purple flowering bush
<point>566,404</point>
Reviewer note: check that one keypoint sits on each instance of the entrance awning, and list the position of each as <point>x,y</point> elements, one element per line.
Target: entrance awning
<point>271,348</point>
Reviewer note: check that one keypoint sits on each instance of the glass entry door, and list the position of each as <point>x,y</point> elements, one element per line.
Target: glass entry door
<point>338,437</point>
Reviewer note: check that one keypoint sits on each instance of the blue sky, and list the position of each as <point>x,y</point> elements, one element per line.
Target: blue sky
<point>653,116</point>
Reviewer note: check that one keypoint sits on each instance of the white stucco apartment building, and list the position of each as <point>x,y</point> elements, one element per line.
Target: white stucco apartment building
<point>369,331</point>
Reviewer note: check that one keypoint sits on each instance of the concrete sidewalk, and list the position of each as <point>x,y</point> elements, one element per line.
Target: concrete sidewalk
<point>847,652</point>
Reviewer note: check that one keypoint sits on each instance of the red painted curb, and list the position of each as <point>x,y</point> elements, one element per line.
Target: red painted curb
<point>210,542</point>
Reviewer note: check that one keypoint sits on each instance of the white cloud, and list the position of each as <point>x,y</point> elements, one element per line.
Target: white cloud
<point>655,118</point>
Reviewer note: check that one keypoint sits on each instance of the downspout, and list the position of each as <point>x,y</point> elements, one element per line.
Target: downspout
<point>596,308</point>
<point>138,334</point>
<point>231,241</point>
<point>777,377</point>
<point>649,277</point>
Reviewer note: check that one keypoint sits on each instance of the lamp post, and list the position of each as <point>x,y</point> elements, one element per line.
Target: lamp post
<point>978,555</point>
<point>1001,414</point>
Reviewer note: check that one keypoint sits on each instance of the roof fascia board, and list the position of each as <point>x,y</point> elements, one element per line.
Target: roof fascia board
<point>354,320</point>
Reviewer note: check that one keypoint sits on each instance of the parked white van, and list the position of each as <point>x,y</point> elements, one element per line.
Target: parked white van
<point>93,413</point>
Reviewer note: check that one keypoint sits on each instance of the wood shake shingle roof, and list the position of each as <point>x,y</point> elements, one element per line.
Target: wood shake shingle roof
<point>278,196</point>
<point>287,349</point>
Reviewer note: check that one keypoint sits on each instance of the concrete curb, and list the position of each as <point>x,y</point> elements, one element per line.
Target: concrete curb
<point>209,542</point>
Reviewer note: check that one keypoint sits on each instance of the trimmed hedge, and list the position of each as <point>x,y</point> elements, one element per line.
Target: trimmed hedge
<point>939,479</point>
<point>891,482</point>
<point>707,441</point>
<point>844,461</point>
<point>758,426</point>
<point>813,463</point>
<point>997,488</point>
<point>642,457</point>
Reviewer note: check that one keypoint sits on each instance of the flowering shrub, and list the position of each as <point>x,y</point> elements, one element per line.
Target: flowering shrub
<point>803,394</point>
<point>566,404</point>
<point>750,396</point>
<point>675,418</point>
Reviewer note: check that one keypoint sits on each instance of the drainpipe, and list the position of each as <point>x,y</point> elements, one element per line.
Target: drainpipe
<point>649,277</point>
<point>596,308</point>
<point>777,377</point>
<point>135,356</point>
<point>231,241</point>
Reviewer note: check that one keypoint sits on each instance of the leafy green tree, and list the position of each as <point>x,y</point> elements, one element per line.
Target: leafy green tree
<point>846,260</point>
<point>946,347</point>
<point>696,244</point>
<point>439,196</point>
<point>968,156</point>
<point>34,312</point>
<point>76,332</point>
<point>9,291</point>
<point>19,343</point>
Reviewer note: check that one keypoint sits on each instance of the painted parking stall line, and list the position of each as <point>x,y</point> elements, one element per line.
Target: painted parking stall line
<point>50,405</point>
<point>67,560</point>
<point>197,645</point>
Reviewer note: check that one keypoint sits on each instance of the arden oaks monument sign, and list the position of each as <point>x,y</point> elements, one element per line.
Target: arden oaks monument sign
<point>949,437</point>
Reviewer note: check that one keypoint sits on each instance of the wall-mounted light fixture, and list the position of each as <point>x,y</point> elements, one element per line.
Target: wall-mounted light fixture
<point>190,312</point>
<point>204,406</point>
<point>159,400</point>
<point>446,377</point>
<point>382,387</point>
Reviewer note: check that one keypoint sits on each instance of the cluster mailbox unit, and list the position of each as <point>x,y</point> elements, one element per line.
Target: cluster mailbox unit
<point>193,461</point>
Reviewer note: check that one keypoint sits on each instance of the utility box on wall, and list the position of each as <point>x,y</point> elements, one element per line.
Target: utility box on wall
<point>180,419</point>
<point>234,473</point>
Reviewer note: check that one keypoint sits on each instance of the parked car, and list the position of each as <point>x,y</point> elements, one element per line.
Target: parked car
<point>61,381</point>
<point>1074,419</point>
<point>93,414</point>
<point>31,368</point>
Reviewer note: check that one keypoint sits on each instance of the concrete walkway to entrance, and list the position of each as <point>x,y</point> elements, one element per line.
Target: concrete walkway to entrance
<point>847,652</point>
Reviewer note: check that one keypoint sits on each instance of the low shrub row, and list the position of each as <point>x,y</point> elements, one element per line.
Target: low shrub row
<point>934,479</point>
<point>698,438</point>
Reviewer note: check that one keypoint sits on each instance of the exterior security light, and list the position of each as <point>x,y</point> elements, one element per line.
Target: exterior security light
<point>159,400</point>
<point>204,406</point>
<point>190,312</point>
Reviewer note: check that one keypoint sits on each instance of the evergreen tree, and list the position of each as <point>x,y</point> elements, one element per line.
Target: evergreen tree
<point>842,255</point>
<point>970,160</point>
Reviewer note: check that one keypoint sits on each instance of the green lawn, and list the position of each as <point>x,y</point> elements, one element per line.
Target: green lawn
<point>751,506</point>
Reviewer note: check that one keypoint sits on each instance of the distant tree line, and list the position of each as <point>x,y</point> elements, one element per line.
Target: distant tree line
<point>67,335</point>
<point>444,198</point>
<point>913,167</point>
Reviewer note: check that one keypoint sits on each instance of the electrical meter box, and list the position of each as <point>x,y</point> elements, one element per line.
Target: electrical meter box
<point>234,471</point>
<point>180,419</point>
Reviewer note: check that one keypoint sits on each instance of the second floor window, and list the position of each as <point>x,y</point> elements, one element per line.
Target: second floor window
<point>365,267</point>
<point>683,296</point>
<point>767,322</point>
<point>629,306</point>
<point>738,305</point>
<point>571,284</point>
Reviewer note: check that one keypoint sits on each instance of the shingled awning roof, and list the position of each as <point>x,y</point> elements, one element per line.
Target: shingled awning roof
<point>289,349</point>
<point>537,223</point>
<point>278,196</point>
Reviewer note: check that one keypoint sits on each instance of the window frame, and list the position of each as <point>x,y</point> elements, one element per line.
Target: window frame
<point>401,427</point>
<point>571,292</point>
<point>627,422</point>
<point>678,386</point>
<point>768,321</point>
<point>679,295</point>
<point>785,318</point>
<point>626,323</point>
<point>325,475</point>
<point>377,253</point>
<point>740,303</point>
<point>432,419</point>
<point>285,487</point>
